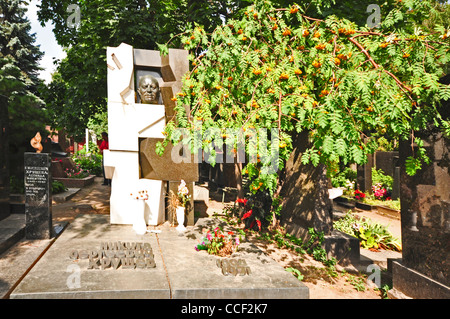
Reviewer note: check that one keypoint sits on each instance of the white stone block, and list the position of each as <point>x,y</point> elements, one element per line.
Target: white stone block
<point>335,192</point>
<point>128,122</point>
<point>120,74</point>
<point>125,181</point>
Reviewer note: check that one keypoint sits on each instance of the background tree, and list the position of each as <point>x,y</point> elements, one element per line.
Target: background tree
<point>19,82</point>
<point>342,83</point>
<point>79,90</point>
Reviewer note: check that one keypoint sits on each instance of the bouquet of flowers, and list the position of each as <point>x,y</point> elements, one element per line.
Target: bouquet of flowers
<point>183,192</point>
<point>218,243</point>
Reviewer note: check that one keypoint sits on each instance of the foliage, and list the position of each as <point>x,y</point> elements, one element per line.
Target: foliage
<point>91,162</point>
<point>370,234</point>
<point>345,178</point>
<point>81,81</point>
<point>58,187</point>
<point>98,123</point>
<point>19,82</point>
<point>358,282</point>
<point>218,243</point>
<point>379,177</point>
<point>16,186</point>
<point>347,85</point>
<point>295,272</point>
<point>393,204</point>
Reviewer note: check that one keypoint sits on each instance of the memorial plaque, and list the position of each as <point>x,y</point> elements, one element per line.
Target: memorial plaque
<point>38,197</point>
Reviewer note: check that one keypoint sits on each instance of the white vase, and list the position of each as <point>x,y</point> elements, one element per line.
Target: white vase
<point>180,218</point>
<point>139,225</point>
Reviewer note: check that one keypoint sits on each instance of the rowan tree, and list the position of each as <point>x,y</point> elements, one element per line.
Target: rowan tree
<point>346,85</point>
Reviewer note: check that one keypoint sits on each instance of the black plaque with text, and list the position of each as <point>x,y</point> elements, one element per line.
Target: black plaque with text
<point>38,197</point>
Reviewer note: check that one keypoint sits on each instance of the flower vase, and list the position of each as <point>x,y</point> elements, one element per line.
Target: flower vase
<point>139,224</point>
<point>180,218</point>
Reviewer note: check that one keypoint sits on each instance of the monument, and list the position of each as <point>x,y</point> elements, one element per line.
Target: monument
<point>38,196</point>
<point>137,115</point>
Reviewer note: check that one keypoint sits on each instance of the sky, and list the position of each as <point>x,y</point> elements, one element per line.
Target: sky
<point>46,40</point>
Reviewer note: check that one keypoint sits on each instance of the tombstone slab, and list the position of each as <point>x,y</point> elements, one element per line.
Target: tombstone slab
<point>70,268</point>
<point>38,196</point>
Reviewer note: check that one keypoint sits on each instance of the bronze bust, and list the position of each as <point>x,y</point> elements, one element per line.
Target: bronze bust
<point>148,90</point>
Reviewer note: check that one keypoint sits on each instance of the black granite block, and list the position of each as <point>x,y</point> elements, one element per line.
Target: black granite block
<point>38,197</point>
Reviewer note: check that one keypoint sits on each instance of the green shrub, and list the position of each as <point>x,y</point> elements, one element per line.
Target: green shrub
<point>89,162</point>
<point>343,178</point>
<point>58,187</point>
<point>371,235</point>
<point>379,177</point>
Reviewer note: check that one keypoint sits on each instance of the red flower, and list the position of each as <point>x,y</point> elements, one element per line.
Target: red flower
<point>259,224</point>
<point>241,201</point>
<point>247,215</point>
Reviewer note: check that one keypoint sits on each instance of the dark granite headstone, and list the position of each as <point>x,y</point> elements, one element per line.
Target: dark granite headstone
<point>4,161</point>
<point>425,221</point>
<point>38,196</point>
<point>364,174</point>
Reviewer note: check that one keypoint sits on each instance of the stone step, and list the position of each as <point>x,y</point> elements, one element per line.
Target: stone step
<point>12,229</point>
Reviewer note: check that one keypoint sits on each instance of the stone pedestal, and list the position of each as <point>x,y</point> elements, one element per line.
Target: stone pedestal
<point>38,196</point>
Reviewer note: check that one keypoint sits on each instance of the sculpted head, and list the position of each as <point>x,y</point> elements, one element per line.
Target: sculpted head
<point>148,89</point>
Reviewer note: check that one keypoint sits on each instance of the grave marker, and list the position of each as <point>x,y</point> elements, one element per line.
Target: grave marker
<point>38,197</point>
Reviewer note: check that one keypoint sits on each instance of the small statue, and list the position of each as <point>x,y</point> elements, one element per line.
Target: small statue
<point>148,90</point>
<point>36,143</point>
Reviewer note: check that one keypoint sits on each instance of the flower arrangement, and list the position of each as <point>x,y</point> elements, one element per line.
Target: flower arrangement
<point>183,192</point>
<point>359,195</point>
<point>143,194</point>
<point>218,243</point>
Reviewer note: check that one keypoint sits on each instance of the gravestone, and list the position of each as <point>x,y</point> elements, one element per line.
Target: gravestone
<point>425,220</point>
<point>38,197</point>
<point>364,175</point>
<point>4,160</point>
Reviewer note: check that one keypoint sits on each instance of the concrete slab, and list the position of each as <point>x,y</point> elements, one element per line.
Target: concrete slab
<point>180,272</point>
<point>65,196</point>
<point>56,275</point>
<point>195,275</point>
